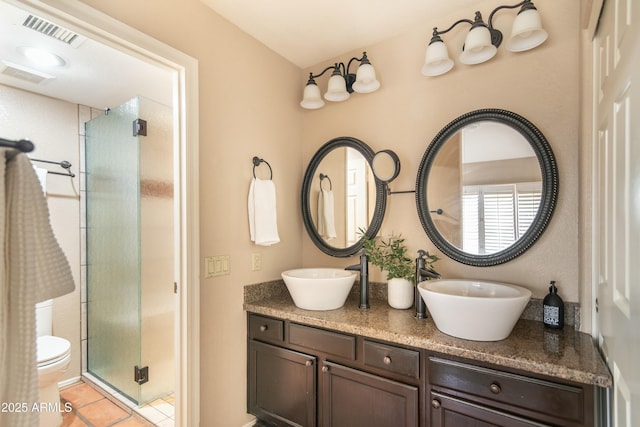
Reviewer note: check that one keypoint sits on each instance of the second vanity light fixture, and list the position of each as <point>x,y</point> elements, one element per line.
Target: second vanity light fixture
<point>341,83</point>
<point>483,40</point>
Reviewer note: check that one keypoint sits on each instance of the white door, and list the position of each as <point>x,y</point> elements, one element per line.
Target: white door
<point>356,196</point>
<point>617,202</point>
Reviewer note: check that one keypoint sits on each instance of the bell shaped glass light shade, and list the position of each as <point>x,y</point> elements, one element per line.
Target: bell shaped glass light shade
<point>311,98</point>
<point>527,31</point>
<point>336,88</point>
<point>436,59</point>
<point>477,46</point>
<point>366,81</point>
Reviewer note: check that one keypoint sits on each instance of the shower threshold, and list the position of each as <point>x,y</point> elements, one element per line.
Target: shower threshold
<point>160,412</point>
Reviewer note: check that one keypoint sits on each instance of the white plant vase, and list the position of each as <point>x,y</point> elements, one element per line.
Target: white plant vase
<point>400,293</point>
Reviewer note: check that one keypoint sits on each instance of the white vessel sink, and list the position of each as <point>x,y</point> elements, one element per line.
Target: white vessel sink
<point>473,309</point>
<point>319,288</point>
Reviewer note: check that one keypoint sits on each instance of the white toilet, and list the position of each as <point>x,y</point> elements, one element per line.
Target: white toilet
<point>54,355</point>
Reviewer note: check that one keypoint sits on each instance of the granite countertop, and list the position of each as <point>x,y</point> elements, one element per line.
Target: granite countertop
<point>567,354</point>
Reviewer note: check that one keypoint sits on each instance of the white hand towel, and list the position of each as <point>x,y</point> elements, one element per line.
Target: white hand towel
<point>34,269</point>
<point>321,226</point>
<point>42,177</point>
<point>326,216</point>
<point>263,224</point>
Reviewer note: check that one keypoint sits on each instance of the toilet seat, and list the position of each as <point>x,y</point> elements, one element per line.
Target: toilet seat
<point>52,349</point>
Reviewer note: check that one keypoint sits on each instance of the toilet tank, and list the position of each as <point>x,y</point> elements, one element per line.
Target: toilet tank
<point>44,312</point>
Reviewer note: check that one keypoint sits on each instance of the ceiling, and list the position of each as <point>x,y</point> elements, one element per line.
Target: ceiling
<point>94,74</point>
<point>302,31</point>
<point>309,32</point>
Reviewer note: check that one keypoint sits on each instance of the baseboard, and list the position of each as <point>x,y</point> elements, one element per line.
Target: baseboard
<point>70,381</point>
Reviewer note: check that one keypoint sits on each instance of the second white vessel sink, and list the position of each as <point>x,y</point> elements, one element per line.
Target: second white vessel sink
<point>474,309</point>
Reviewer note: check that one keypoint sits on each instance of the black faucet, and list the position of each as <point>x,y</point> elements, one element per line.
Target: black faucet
<point>363,268</point>
<point>422,273</point>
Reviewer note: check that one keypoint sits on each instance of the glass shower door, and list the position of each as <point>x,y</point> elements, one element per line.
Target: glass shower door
<point>130,249</point>
<point>113,248</point>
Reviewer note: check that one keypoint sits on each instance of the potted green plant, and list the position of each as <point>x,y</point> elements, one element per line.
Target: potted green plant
<point>390,255</point>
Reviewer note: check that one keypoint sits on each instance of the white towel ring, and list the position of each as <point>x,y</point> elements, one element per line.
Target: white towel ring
<point>322,178</point>
<point>256,162</point>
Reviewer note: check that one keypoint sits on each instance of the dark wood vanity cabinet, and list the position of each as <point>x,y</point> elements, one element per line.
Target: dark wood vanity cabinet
<point>305,376</point>
<point>463,394</point>
<point>300,375</point>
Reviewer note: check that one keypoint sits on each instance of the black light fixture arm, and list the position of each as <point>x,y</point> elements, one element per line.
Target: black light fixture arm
<point>363,60</point>
<point>436,33</point>
<point>314,76</point>
<point>496,35</point>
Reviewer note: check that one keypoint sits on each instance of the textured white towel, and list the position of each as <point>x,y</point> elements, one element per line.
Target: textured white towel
<point>42,177</point>
<point>263,224</point>
<point>326,217</point>
<point>34,269</point>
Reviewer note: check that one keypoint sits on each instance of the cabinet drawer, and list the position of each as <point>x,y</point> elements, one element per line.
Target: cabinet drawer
<point>391,358</point>
<point>539,396</point>
<point>334,343</point>
<point>266,329</point>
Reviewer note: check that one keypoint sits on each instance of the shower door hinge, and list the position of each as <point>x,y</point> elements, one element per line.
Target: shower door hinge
<point>139,127</point>
<point>141,375</point>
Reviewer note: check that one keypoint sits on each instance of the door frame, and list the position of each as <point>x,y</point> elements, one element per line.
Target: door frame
<point>109,31</point>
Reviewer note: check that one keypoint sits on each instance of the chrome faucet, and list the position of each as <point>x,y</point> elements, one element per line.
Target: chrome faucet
<point>363,268</point>
<point>422,273</point>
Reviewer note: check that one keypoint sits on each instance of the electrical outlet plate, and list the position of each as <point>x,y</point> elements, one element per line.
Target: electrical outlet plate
<point>217,266</point>
<point>256,261</point>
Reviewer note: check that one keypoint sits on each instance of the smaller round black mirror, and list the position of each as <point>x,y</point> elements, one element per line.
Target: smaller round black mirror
<point>386,166</point>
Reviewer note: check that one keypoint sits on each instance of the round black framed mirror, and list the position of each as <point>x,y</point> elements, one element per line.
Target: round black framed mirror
<point>340,197</point>
<point>487,187</point>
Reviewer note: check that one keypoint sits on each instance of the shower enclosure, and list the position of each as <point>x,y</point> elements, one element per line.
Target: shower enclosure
<point>130,249</point>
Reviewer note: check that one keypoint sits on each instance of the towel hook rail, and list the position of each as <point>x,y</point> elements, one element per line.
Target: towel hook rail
<point>322,178</point>
<point>256,162</point>
<point>63,164</point>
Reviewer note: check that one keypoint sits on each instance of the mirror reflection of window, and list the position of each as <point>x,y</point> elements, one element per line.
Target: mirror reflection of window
<point>501,187</point>
<point>495,216</point>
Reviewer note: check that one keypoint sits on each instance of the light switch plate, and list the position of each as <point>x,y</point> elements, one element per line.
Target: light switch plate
<point>217,266</point>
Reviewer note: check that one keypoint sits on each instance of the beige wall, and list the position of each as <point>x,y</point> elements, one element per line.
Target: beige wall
<point>409,109</point>
<point>248,106</point>
<point>53,126</point>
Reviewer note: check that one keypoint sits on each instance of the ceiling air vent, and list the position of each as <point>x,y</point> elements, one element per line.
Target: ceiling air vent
<point>24,73</point>
<point>55,31</point>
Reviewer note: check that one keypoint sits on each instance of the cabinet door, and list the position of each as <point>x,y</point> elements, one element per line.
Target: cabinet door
<point>282,385</point>
<point>448,411</point>
<point>352,398</point>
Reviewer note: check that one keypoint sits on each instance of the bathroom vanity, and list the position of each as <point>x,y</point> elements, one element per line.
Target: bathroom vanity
<point>384,367</point>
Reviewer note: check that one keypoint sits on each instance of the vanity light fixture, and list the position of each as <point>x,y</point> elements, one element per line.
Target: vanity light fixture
<point>341,83</point>
<point>483,40</point>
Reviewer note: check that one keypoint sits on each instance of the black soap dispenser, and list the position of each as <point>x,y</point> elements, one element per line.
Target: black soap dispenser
<point>553,309</point>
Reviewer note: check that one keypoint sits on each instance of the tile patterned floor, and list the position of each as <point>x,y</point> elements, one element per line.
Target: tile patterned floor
<point>92,409</point>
